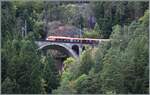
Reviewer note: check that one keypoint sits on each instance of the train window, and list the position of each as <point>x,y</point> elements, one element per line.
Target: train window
<point>84,41</point>
<point>69,40</point>
<point>66,40</point>
<point>74,40</point>
<point>93,42</point>
<point>59,39</point>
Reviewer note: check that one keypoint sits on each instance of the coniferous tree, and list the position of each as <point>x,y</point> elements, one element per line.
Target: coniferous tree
<point>50,74</point>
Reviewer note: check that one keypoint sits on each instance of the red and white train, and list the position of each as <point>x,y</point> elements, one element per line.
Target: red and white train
<point>74,40</point>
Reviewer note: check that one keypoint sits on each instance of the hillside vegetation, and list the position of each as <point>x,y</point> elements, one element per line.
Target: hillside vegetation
<point>120,66</point>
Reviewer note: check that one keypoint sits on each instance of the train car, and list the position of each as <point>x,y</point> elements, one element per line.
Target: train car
<point>73,40</point>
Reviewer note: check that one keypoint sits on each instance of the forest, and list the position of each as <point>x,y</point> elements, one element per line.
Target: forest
<point>120,66</point>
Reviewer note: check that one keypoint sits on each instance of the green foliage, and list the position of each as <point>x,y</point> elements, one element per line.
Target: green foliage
<point>86,62</point>
<point>22,68</point>
<point>50,74</point>
<point>88,84</point>
<point>119,66</point>
<point>109,14</point>
<point>144,18</point>
<point>68,62</point>
<point>123,69</point>
<point>92,34</point>
<point>78,82</point>
<point>111,76</point>
<point>95,33</point>
<point>28,11</point>
<point>9,86</point>
<point>8,21</point>
<point>67,84</point>
<point>137,52</point>
<point>39,32</point>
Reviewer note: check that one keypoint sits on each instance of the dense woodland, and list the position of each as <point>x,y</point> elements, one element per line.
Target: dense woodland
<point>120,66</point>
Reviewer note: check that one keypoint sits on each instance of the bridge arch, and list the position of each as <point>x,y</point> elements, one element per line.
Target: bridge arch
<point>60,47</point>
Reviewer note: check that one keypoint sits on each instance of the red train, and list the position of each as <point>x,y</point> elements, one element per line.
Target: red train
<point>73,40</point>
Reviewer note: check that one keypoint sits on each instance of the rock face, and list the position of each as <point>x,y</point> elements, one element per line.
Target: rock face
<point>56,28</point>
